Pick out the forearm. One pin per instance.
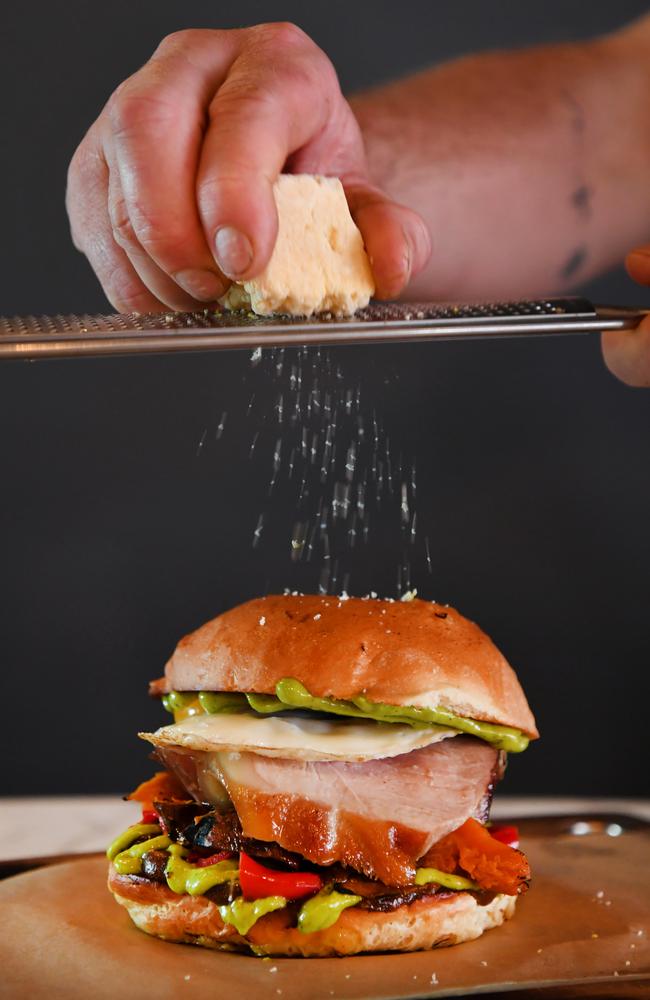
(532, 168)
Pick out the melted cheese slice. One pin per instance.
(297, 736)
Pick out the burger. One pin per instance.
(325, 785)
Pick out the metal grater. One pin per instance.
(33, 337)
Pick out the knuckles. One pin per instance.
(293, 53)
(282, 34)
(280, 60)
(121, 225)
(84, 188)
(185, 41)
(136, 228)
(132, 108)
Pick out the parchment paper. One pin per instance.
(585, 920)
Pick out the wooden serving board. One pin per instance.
(585, 921)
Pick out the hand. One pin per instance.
(170, 192)
(627, 352)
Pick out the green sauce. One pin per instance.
(242, 914)
(323, 910)
(129, 862)
(184, 877)
(176, 873)
(265, 704)
(129, 836)
(176, 701)
(425, 875)
(291, 694)
(217, 702)
(202, 879)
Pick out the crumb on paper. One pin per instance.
(317, 618)
(273, 968)
(483, 962)
(539, 951)
(600, 894)
(263, 620)
(594, 935)
(434, 979)
(410, 595)
(627, 961)
(186, 977)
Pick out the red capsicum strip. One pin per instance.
(506, 834)
(203, 861)
(257, 881)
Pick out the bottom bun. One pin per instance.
(426, 923)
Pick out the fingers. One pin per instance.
(396, 239)
(627, 352)
(637, 263)
(156, 129)
(277, 97)
(163, 288)
(171, 194)
(92, 234)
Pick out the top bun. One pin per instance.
(399, 653)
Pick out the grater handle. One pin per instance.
(627, 316)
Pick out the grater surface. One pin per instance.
(115, 333)
(376, 312)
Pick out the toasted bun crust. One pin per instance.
(424, 924)
(399, 653)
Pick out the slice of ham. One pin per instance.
(378, 817)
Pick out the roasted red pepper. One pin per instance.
(149, 816)
(257, 881)
(473, 850)
(506, 834)
(163, 785)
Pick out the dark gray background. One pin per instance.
(118, 537)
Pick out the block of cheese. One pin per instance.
(319, 263)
